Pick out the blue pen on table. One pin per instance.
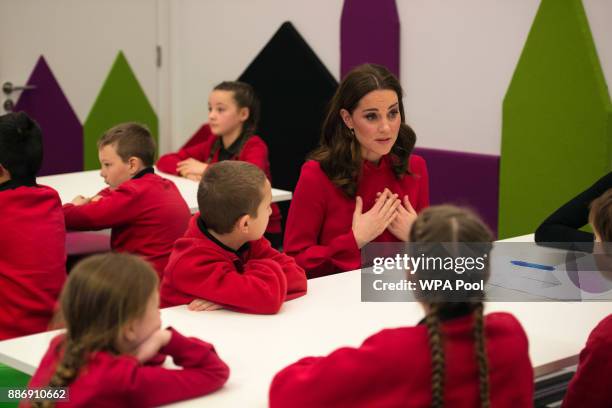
(533, 265)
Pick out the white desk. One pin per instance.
(520, 238)
(331, 315)
(88, 183)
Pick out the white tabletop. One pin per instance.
(331, 315)
(88, 183)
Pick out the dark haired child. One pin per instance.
(32, 232)
(108, 356)
(589, 386)
(223, 260)
(145, 211)
(454, 357)
(233, 113)
(365, 151)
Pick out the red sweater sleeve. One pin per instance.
(260, 288)
(255, 151)
(306, 216)
(343, 376)
(590, 386)
(296, 277)
(168, 162)
(203, 372)
(116, 207)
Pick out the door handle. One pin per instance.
(8, 88)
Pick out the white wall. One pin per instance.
(457, 58)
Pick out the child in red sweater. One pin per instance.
(145, 211)
(590, 386)
(233, 113)
(223, 260)
(365, 151)
(455, 357)
(113, 348)
(33, 235)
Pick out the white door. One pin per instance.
(80, 41)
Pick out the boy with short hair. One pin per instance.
(33, 235)
(145, 211)
(223, 260)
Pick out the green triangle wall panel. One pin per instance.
(556, 130)
(121, 99)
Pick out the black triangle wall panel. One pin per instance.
(294, 88)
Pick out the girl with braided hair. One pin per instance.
(454, 357)
(111, 352)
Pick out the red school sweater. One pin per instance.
(319, 232)
(32, 257)
(590, 386)
(110, 380)
(146, 214)
(201, 135)
(254, 151)
(393, 369)
(255, 279)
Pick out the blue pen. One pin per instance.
(533, 265)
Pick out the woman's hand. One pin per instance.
(369, 225)
(400, 226)
(191, 167)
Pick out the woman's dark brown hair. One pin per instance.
(339, 153)
(450, 224)
(102, 294)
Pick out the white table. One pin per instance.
(88, 183)
(331, 315)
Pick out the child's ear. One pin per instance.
(346, 118)
(128, 332)
(243, 223)
(243, 114)
(134, 164)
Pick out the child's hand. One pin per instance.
(80, 200)
(369, 225)
(96, 198)
(400, 226)
(200, 305)
(150, 347)
(191, 167)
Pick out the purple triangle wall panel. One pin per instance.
(61, 128)
(369, 32)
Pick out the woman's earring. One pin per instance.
(352, 131)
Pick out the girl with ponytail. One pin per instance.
(111, 352)
(454, 357)
(233, 117)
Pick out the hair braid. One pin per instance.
(481, 356)
(66, 371)
(437, 356)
